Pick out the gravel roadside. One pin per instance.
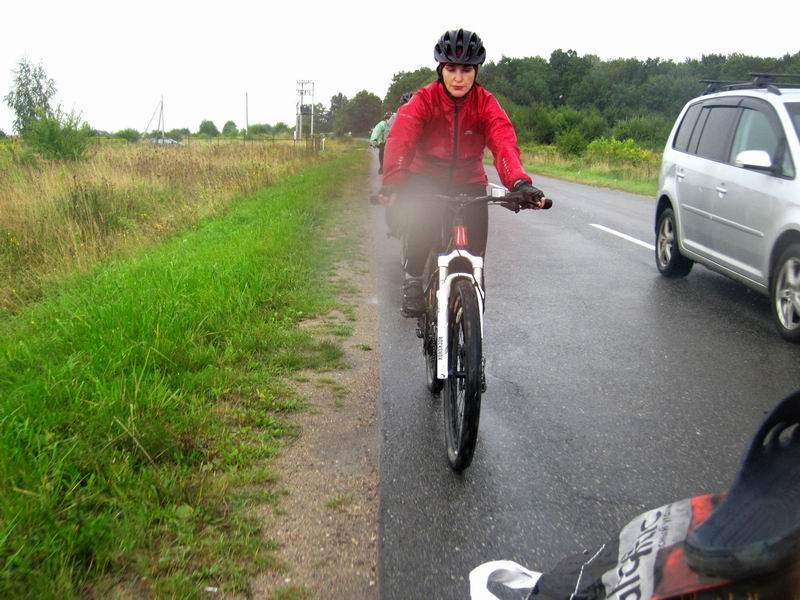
(327, 523)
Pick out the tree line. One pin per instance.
(569, 100)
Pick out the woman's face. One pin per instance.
(458, 79)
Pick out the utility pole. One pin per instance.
(163, 121)
(246, 116)
(305, 87)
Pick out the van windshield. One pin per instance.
(794, 112)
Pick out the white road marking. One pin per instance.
(624, 236)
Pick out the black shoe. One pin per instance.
(413, 300)
(756, 528)
(412, 308)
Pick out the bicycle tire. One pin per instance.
(429, 350)
(462, 388)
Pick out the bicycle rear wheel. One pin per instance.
(429, 345)
(429, 335)
(462, 388)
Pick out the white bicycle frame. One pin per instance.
(443, 294)
(446, 280)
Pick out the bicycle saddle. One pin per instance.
(756, 528)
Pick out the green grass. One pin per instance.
(637, 177)
(291, 592)
(339, 502)
(586, 173)
(139, 402)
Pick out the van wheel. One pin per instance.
(670, 262)
(785, 293)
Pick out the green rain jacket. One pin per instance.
(379, 133)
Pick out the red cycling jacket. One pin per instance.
(444, 138)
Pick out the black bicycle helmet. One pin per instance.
(460, 47)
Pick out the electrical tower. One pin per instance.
(160, 110)
(305, 87)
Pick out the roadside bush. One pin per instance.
(178, 133)
(571, 142)
(260, 129)
(533, 123)
(592, 125)
(650, 131)
(59, 135)
(566, 118)
(617, 151)
(131, 135)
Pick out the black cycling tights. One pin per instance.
(422, 218)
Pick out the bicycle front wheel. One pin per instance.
(462, 388)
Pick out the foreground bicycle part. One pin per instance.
(462, 388)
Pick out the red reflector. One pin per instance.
(460, 236)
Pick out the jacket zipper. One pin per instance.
(455, 148)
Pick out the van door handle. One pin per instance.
(680, 174)
(721, 189)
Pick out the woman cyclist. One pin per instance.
(436, 146)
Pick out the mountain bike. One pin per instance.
(451, 327)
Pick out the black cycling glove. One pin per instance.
(532, 194)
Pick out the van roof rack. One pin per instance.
(766, 81)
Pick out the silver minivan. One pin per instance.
(729, 193)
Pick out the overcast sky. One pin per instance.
(112, 61)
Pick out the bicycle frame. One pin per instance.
(458, 243)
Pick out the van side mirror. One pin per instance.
(758, 160)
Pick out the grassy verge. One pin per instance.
(139, 402)
(636, 177)
(57, 217)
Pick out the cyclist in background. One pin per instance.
(403, 100)
(436, 146)
(378, 138)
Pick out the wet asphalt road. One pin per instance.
(611, 390)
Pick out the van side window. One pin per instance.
(755, 132)
(686, 127)
(698, 129)
(716, 135)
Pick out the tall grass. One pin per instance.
(138, 400)
(606, 162)
(56, 216)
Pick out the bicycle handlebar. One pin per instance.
(511, 200)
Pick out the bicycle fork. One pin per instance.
(446, 280)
